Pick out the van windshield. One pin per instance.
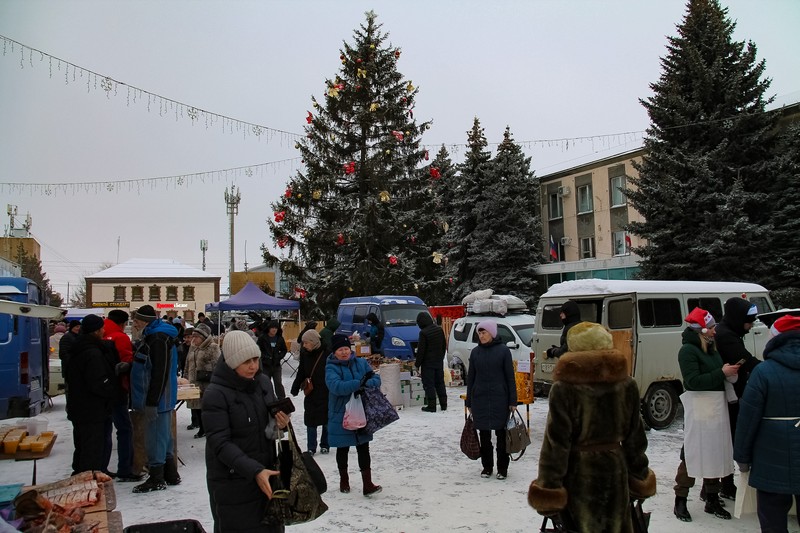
(401, 315)
(525, 332)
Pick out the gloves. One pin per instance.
(150, 413)
(744, 467)
(122, 368)
(366, 377)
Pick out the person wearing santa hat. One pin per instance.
(702, 370)
(768, 434)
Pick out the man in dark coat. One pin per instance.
(273, 350)
(93, 390)
(430, 360)
(570, 316)
(738, 320)
(66, 342)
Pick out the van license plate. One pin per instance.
(548, 367)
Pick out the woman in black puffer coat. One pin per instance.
(315, 404)
(241, 454)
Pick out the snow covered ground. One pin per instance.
(428, 484)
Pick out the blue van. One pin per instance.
(398, 314)
(24, 347)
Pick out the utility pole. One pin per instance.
(232, 200)
(203, 248)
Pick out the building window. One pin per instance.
(621, 243)
(155, 293)
(556, 207)
(188, 293)
(617, 186)
(587, 248)
(119, 293)
(137, 293)
(585, 199)
(172, 293)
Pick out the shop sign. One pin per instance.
(111, 304)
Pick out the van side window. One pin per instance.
(660, 313)
(712, 305)
(551, 318)
(620, 314)
(762, 303)
(360, 314)
(462, 333)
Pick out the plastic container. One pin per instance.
(175, 526)
(36, 425)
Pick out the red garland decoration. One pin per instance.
(435, 174)
(279, 216)
(349, 168)
(288, 193)
(340, 239)
(310, 117)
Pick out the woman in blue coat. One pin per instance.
(767, 433)
(491, 395)
(345, 374)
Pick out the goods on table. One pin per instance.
(16, 438)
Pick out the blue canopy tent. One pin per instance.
(251, 298)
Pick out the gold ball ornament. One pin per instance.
(317, 194)
(384, 196)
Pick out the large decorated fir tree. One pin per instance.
(708, 156)
(343, 221)
(505, 248)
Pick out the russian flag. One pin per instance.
(553, 249)
(627, 243)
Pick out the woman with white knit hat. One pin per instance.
(241, 455)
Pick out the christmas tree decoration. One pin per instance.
(372, 46)
(282, 242)
(317, 194)
(288, 192)
(410, 87)
(397, 54)
(279, 216)
(427, 156)
(435, 174)
(388, 152)
(398, 135)
(384, 196)
(333, 90)
(340, 239)
(309, 118)
(393, 260)
(437, 257)
(358, 60)
(350, 167)
(361, 73)
(373, 107)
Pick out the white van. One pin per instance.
(646, 321)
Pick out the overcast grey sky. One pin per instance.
(548, 69)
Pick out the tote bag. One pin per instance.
(378, 410)
(354, 417)
(470, 445)
(517, 437)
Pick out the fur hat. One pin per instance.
(784, 324)
(91, 323)
(239, 347)
(488, 325)
(202, 330)
(145, 313)
(313, 337)
(700, 319)
(338, 341)
(588, 336)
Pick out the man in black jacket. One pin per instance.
(92, 391)
(66, 343)
(570, 316)
(430, 360)
(738, 320)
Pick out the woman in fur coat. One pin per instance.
(200, 362)
(593, 457)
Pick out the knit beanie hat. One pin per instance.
(700, 319)
(91, 323)
(73, 323)
(784, 324)
(338, 341)
(202, 330)
(145, 313)
(238, 347)
(61, 328)
(118, 316)
(240, 324)
(488, 325)
(313, 337)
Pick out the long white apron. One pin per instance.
(707, 434)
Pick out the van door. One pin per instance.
(619, 316)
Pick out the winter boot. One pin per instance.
(714, 506)
(728, 489)
(430, 405)
(703, 496)
(369, 487)
(344, 481)
(154, 482)
(443, 403)
(681, 512)
(171, 475)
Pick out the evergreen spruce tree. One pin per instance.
(31, 268)
(709, 139)
(504, 248)
(341, 219)
(474, 180)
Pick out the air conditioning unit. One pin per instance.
(563, 191)
(565, 241)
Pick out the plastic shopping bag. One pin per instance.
(354, 417)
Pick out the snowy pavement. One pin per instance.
(428, 484)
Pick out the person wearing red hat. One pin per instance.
(703, 372)
(768, 435)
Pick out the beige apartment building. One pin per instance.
(173, 289)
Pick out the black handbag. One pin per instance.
(517, 436)
(203, 376)
(640, 519)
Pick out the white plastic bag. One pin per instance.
(354, 417)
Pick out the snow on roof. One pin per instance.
(151, 268)
(584, 287)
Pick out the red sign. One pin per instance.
(164, 306)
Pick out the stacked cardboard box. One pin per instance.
(456, 380)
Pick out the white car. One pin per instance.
(515, 330)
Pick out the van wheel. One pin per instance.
(660, 405)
